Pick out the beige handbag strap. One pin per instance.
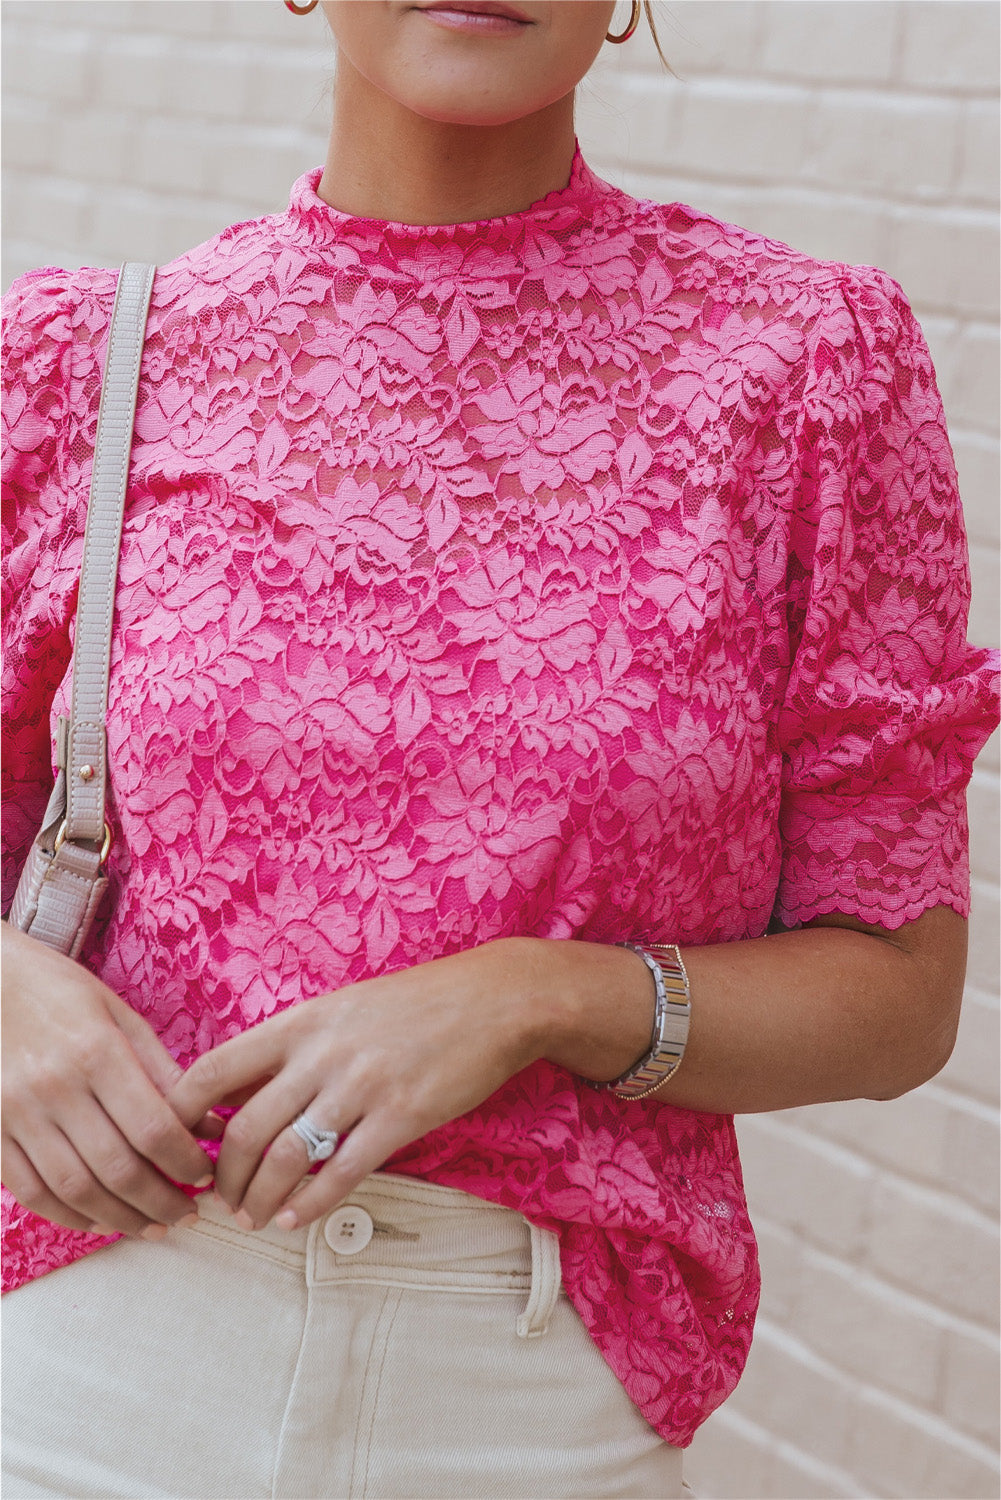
(82, 749)
(63, 878)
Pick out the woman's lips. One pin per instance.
(466, 15)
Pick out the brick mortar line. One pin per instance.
(256, 132)
(854, 1263)
(167, 47)
(813, 90)
(905, 1177)
(803, 191)
(831, 92)
(986, 999)
(943, 1318)
(935, 1198)
(899, 1287)
(761, 80)
(979, 327)
(934, 1090)
(958, 1093)
(836, 1481)
(128, 195)
(773, 1332)
(227, 133)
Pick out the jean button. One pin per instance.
(348, 1229)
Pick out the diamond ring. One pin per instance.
(320, 1144)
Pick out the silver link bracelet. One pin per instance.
(671, 1021)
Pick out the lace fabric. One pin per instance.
(594, 572)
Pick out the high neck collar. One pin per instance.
(553, 218)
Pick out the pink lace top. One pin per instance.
(593, 572)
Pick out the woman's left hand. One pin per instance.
(381, 1062)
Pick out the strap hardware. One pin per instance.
(61, 839)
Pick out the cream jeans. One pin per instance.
(415, 1343)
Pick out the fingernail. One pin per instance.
(187, 1221)
(205, 1181)
(243, 1219)
(104, 1229)
(286, 1219)
(154, 1232)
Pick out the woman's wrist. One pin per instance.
(672, 1022)
(587, 1007)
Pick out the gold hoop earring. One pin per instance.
(300, 10)
(634, 21)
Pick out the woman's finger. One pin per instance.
(30, 1191)
(160, 1066)
(81, 1100)
(287, 1161)
(145, 1119)
(68, 1182)
(127, 1181)
(239, 1063)
(259, 1131)
(371, 1143)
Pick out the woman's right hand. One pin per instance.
(88, 1139)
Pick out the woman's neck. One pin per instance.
(386, 162)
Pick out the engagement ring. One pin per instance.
(320, 1144)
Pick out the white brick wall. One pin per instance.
(863, 131)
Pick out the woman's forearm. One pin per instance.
(826, 1012)
(795, 1019)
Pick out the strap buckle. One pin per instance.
(61, 839)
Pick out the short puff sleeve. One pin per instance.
(886, 705)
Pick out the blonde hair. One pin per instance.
(648, 9)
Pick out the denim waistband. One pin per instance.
(401, 1231)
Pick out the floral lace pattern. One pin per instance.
(594, 572)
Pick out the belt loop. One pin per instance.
(534, 1321)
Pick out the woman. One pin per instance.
(511, 571)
